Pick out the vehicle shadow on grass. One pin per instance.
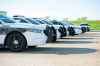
(53, 50)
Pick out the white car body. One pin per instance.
(58, 33)
(77, 29)
(56, 27)
(33, 34)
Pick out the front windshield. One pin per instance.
(57, 23)
(21, 20)
(32, 21)
(7, 20)
(45, 21)
(39, 21)
(65, 23)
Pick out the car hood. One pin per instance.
(25, 26)
(55, 26)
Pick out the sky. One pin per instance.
(71, 9)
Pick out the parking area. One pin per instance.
(81, 50)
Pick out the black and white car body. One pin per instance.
(59, 28)
(17, 37)
(85, 28)
(70, 28)
(63, 24)
(77, 29)
(47, 30)
(50, 30)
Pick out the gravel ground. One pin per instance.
(81, 50)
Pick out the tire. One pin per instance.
(49, 34)
(71, 31)
(16, 42)
(88, 29)
(61, 31)
(54, 39)
(83, 29)
(65, 32)
(55, 34)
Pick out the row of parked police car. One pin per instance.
(19, 32)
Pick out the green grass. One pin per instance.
(95, 25)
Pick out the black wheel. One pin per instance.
(83, 29)
(88, 29)
(64, 31)
(71, 31)
(51, 37)
(16, 42)
(49, 33)
(61, 31)
(54, 39)
(54, 34)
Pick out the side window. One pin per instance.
(55, 23)
(23, 21)
(60, 24)
(0, 22)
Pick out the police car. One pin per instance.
(85, 28)
(59, 28)
(77, 29)
(17, 37)
(71, 29)
(51, 37)
(50, 30)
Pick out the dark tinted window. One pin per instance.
(0, 23)
(47, 22)
(21, 20)
(33, 22)
(7, 21)
(44, 21)
(40, 21)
